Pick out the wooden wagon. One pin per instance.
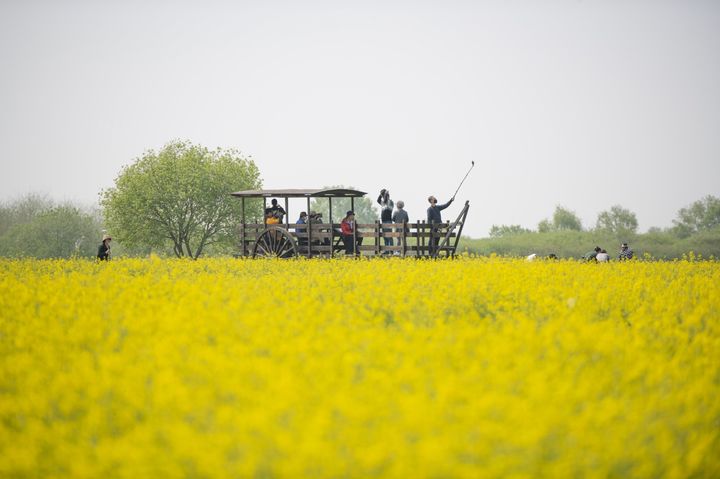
(316, 239)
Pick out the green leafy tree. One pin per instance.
(545, 226)
(179, 198)
(701, 215)
(619, 221)
(23, 210)
(564, 219)
(59, 232)
(507, 230)
(365, 210)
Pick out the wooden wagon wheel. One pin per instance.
(275, 242)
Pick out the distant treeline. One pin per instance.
(696, 229)
(175, 202)
(36, 226)
(662, 244)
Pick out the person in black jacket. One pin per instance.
(104, 248)
(435, 218)
(276, 210)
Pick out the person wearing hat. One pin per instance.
(625, 252)
(349, 235)
(315, 218)
(104, 248)
(300, 229)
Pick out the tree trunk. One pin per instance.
(199, 249)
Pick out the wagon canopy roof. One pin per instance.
(300, 193)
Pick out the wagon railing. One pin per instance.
(325, 239)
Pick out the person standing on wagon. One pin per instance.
(400, 216)
(386, 205)
(435, 219)
(104, 248)
(277, 210)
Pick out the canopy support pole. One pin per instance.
(287, 215)
(242, 228)
(332, 230)
(309, 229)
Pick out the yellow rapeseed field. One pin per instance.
(150, 368)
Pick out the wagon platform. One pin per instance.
(289, 240)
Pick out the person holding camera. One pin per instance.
(386, 210)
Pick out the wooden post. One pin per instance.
(332, 230)
(462, 223)
(404, 238)
(423, 238)
(242, 229)
(459, 221)
(309, 229)
(377, 237)
(356, 252)
(287, 215)
(447, 225)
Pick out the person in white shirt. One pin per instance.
(602, 256)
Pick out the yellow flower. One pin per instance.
(477, 367)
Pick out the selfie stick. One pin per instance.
(463, 180)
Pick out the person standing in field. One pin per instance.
(592, 255)
(435, 219)
(400, 216)
(386, 210)
(349, 234)
(602, 257)
(625, 252)
(104, 248)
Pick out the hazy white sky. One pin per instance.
(581, 103)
